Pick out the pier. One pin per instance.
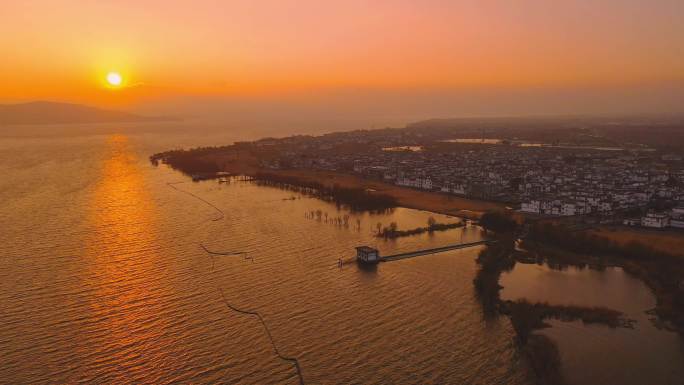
(370, 255)
(418, 253)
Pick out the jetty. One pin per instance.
(366, 254)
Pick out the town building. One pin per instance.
(655, 220)
(367, 254)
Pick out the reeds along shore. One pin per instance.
(355, 199)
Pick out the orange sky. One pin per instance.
(62, 49)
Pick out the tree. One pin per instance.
(498, 222)
(515, 183)
(525, 318)
(431, 223)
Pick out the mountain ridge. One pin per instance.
(45, 113)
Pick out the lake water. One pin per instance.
(103, 280)
(592, 354)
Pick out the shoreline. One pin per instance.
(245, 163)
(406, 197)
(237, 160)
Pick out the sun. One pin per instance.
(114, 79)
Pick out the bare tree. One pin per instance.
(431, 223)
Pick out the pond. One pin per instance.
(593, 354)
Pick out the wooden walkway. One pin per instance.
(418, 253)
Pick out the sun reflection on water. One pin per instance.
(126, 269)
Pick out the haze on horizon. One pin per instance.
(353, 60)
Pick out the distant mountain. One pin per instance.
(65, 113)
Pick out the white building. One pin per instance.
(677, 217)
(422, 183)
(533, 206)
(568, 209)
(677, 223)
(605, 206)
(459, 188)
(426, 183)
(367, 254)
(655, 220)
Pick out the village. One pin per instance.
(634, 187)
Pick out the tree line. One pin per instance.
(392, 231)
(352, 198)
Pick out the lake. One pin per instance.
(103, 279)
(592, 354)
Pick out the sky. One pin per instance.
(412, 58)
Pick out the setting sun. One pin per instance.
(114, 79)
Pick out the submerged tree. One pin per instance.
(525, 318)
(431, 223)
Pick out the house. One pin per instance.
(425, 183)
(677, 223)
(421, 183)
(678, 212)
(605, 206)
(532, 206)
(655, 220)
(568, 209)
(454, 188)
(677, 217)
(367, 254)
